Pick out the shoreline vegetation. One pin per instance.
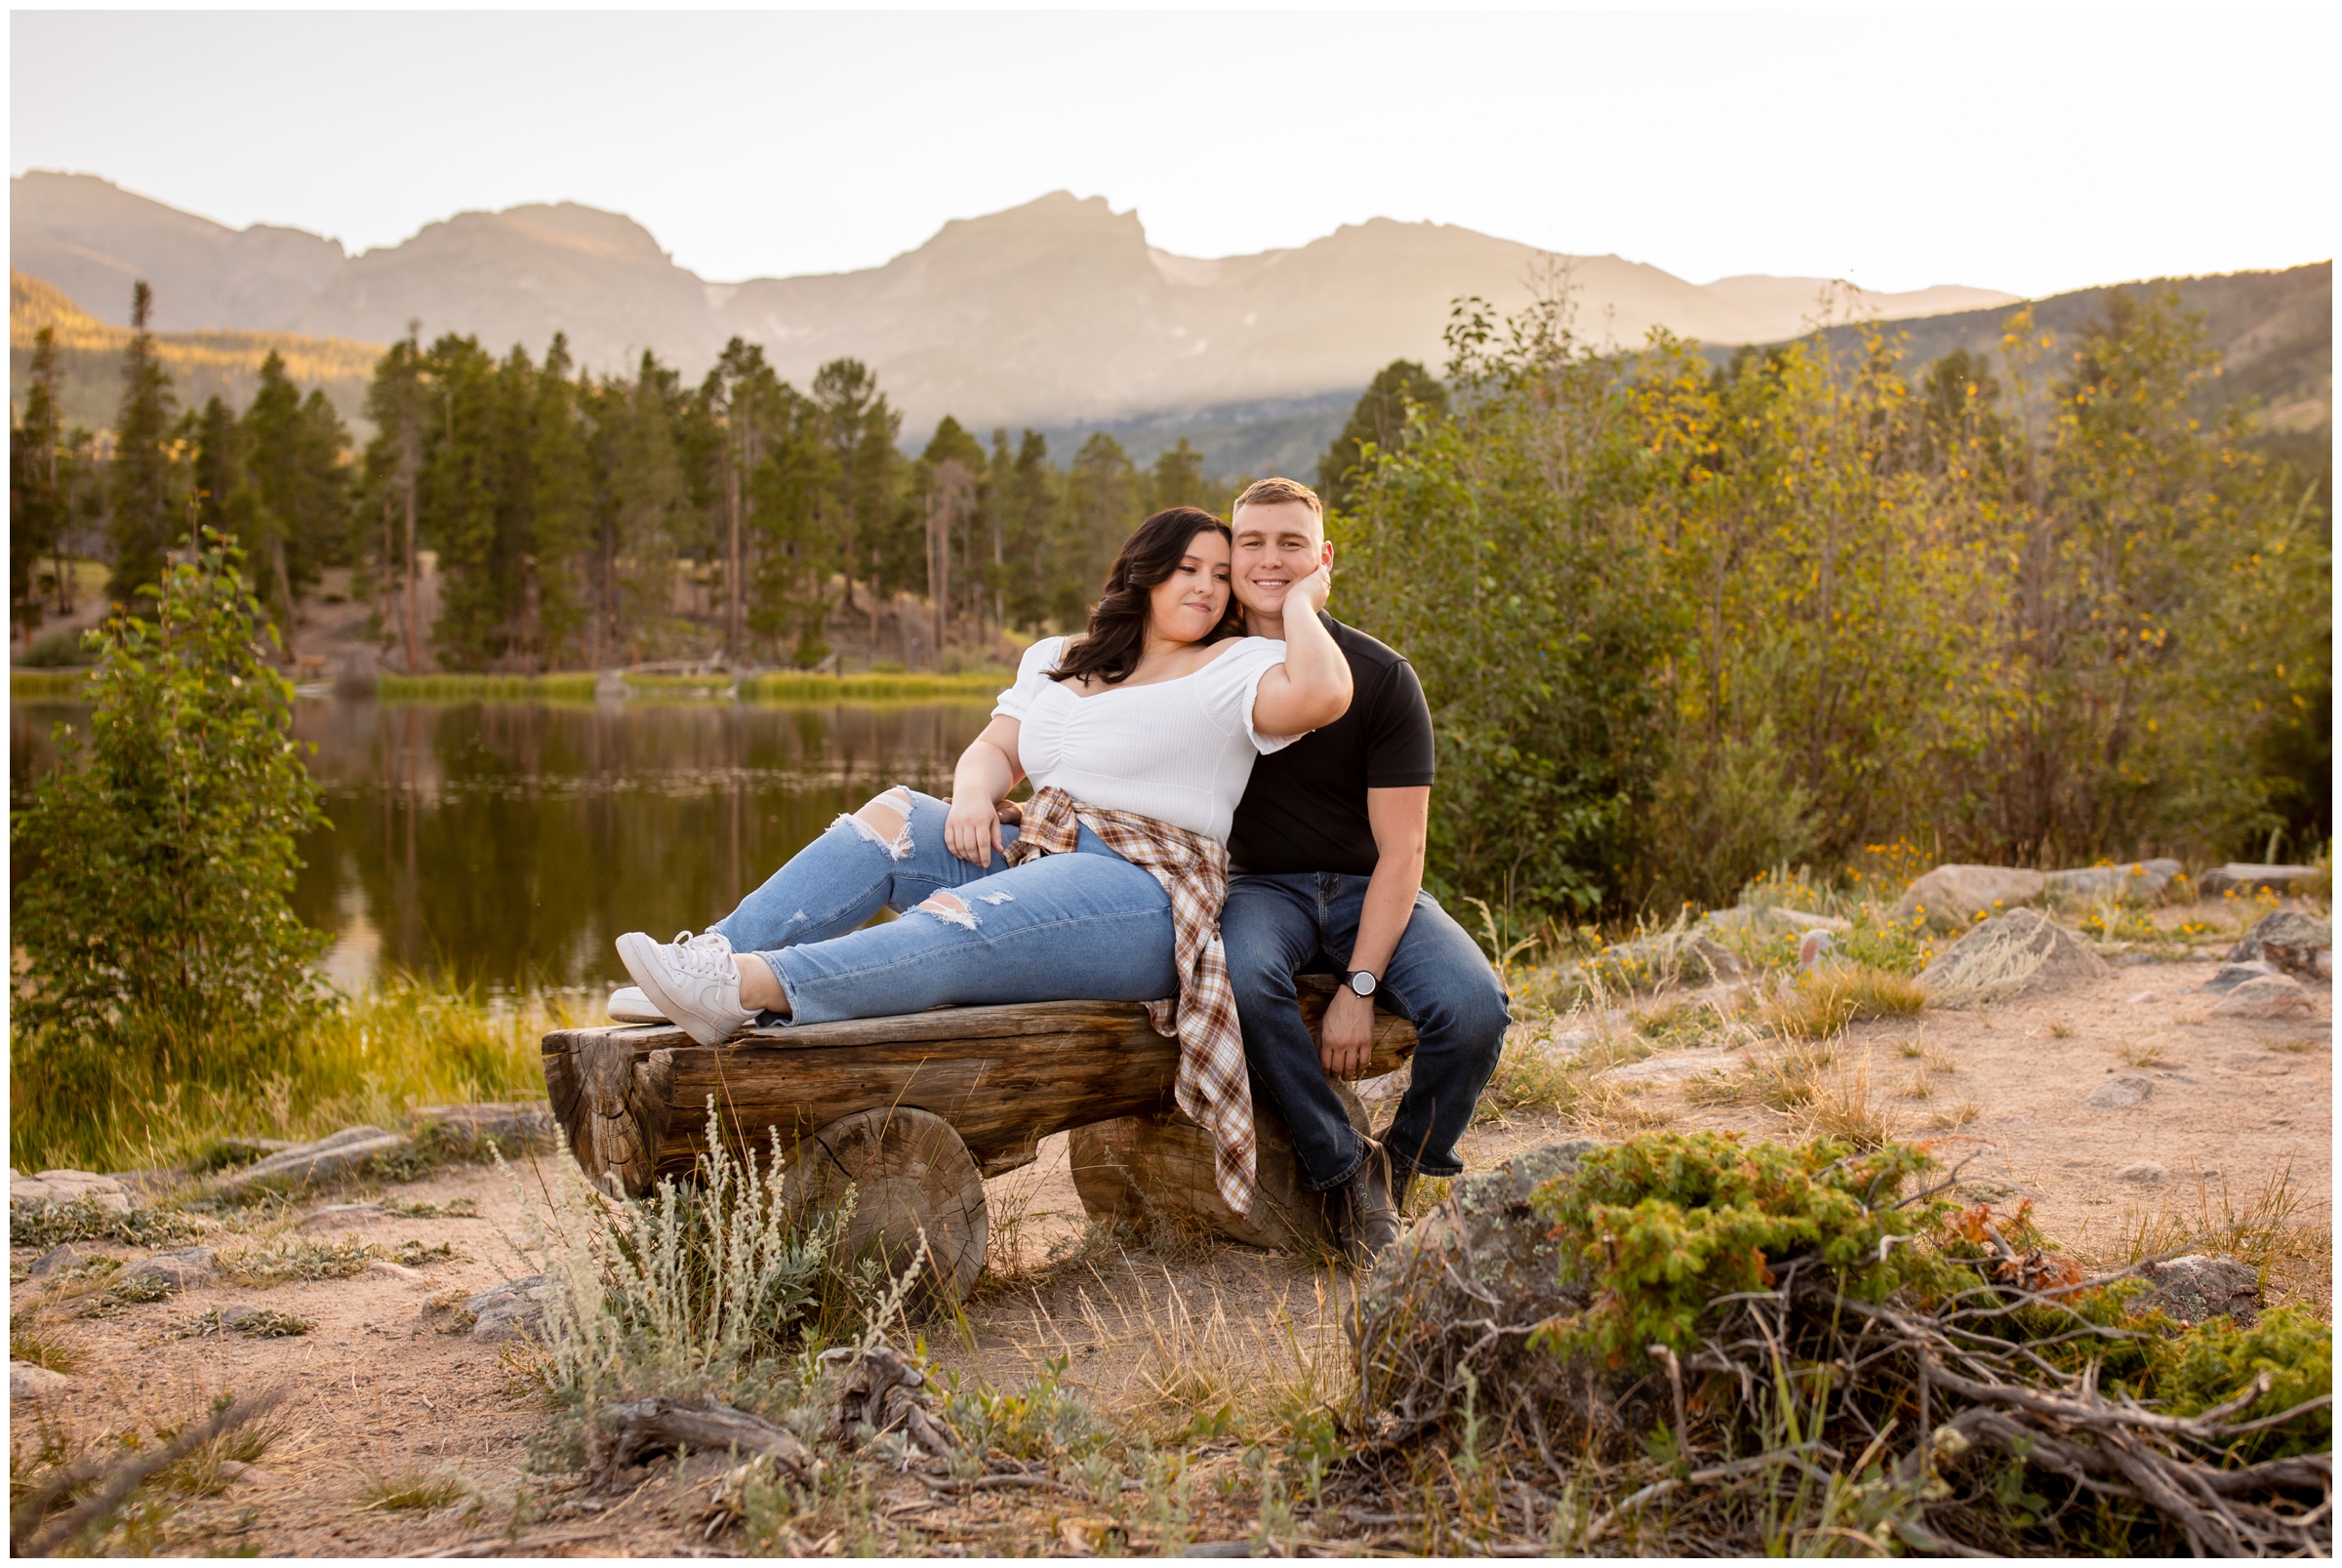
(788, 688)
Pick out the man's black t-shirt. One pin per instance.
(1304, 808)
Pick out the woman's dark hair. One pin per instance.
(1109, 650)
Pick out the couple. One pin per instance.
(1225, 795)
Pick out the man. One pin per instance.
(1326, 876)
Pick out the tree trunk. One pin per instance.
(912, 1181)
(1147, 1170)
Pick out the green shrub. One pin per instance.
(156, 907)
(58, 649)
(2214, 1361)
(1664, 1224)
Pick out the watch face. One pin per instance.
(1362, 984)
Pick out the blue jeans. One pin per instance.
(1279, 926)
(1084, 927)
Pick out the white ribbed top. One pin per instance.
(1177, 750)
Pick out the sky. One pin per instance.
(2031, 151)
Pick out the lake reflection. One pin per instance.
(508, 843)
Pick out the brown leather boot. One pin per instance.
(1365, 1220)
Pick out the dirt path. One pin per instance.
(1175, 1342)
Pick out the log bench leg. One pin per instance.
(1144, 1169)
(910, 1176)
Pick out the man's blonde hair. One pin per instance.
(1278, 493)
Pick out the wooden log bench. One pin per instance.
(914, 1112)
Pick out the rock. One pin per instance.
(2200, 1286)
(512, 1311)
(2021, 953)
(1668, 1067)
(343, 1152)
(2246, 878)
(2295, 942)
(1951, 898)
(2228, 977)
(29, 1382)
(188, 1266)
(57, 1259)
(2139, 882)
(68, 1186)
(2121, 1094)
(2265, 996)
(513, 1127)
(1813, 948)
(341, 1216)
(1482, 1257)
(1669, 958)
(2145, 1173)
(1801, 921)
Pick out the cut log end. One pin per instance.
(910, 1179)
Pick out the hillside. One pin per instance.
(2274, 331)
(93, 239)
(202, 364)
(1051, 313)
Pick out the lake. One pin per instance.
(508, 844)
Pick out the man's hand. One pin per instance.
(1347, 1040)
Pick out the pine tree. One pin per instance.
(1102, 506)
(144, 491)
(36, 507)
(1380, 417)
(559, 567)
(1177, 479)
(293, 451)
(390, 499)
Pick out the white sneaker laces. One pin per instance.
(707, 956)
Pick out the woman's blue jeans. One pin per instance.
(1084, 927)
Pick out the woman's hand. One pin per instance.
(972, 831)
(1312, 591)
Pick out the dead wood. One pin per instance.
(625, 1433)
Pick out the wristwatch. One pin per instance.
(1360, 983)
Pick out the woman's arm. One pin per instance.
(987, 771)
(1311, 689)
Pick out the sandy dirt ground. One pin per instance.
(1160, 1337)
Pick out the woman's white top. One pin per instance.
(1177, 750)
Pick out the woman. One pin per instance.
(1138, 735)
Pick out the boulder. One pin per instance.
(1813, 948)
(57, 1259)
(2139, 882)
(341, 1216)
(188, 1266)
(337, 1155)
(513, 1127)
(2143, 1173)
(2228, 977)
(2121, 1094)
(1669, 959)
(2298, 944)
(29, 1382)
(2241, 877)
(2021, 953)
(68, 1186)
(512, 1311)
(2265, 996)
(1953, 898)
(1671, 1067)
(1461, 1288)
(2203, 1285)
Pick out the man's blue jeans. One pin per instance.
(1279, 926)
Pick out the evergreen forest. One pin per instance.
(1682, 616)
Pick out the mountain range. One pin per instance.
(1057, 313)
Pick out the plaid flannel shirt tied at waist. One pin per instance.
(1213, 1089)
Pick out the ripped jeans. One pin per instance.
(1084, 927)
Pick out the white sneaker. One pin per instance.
(690, 980)
(628, 1005)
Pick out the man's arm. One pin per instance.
(1400, 820)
